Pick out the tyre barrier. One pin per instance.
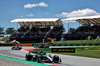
(27, 45)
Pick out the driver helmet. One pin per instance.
(40, 51)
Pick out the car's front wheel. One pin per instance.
(56, 59)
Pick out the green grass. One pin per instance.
(86, 53)
(93, 52)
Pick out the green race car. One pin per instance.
(42, 57)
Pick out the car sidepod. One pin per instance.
(45, 58)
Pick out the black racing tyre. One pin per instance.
(39, 60)
(56, 59)
(20, 48)
(28, 57)
(60, 60)
(13, 48)
(35, 59)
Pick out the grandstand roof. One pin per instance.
(86, 20)
(39, 22)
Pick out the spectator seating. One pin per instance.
(36, 34)
(83, 32)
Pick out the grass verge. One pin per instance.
(92, 52)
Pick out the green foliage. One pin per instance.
(10, 30)
(1, 30)
(71, 29)
(64, 29)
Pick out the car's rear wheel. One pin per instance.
(28, 57)
(20, 48)
(56, 59)
(60, 60)
(39, 60)
(13, 48)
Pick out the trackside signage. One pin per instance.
(68, 50)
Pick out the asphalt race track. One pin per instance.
(66, 59)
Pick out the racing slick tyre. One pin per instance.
(60, 60)
(56, 59)
(13, 48)
(20, 48)
(39, 60)
(28, 57)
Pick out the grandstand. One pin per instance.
(38, 30)
(90, 28)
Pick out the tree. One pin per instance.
(63, 29)
(71, 29)
(1, 31)
(10, 30)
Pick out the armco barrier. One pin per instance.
(77, 44)
(90, 44)
(84, 44)
(71, 44)
(65, 44)
(59, 44)
(96, 44)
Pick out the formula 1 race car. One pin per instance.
(16, 48)
(42, 46)
(42, 57)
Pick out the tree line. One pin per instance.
(9, 30)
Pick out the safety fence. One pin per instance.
(64, 44)
(76, 48)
